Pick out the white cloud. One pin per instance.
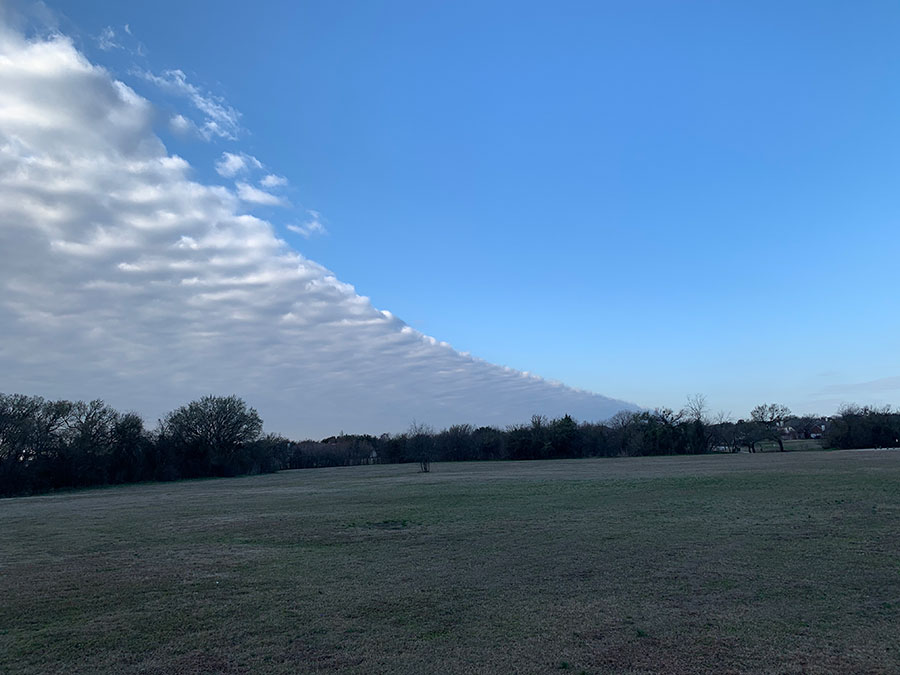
(181, 124)
(248, 193)
(221, 120)
(273, 181)
(310, 227)
(232, 164)
(123, 278)
(107, 39)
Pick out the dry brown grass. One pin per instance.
(733, 563)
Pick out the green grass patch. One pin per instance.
(781, 562)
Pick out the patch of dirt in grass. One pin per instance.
(384, 525)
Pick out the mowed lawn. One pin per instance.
(733, 563)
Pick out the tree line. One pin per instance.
(49, 445)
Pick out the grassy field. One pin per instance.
(781, 562)
(790, 446)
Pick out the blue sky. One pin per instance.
(644, 200)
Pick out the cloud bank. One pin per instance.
(220, 119)
(121, 277)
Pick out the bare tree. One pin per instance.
(769, 417)
(699, 436)
(770, 413)
(696, 408)
(421, 441)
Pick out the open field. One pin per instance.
(781, 562)
(790, 445)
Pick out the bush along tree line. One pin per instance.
(49, 445)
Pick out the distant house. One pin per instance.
(787, 433)
(790, 433)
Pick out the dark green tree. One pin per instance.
(211, 435)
